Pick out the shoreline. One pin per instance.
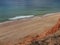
(45, 15)
(20, 29)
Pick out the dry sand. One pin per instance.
(12, 31)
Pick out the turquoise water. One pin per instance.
(6, 13)
(12, 8)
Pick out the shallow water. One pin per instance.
(12, 8)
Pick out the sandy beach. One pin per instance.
(12, 31)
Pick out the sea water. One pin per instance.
(11, 8)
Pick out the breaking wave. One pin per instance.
(20, 17)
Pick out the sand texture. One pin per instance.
(22, 32)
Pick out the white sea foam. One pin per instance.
(49, 14)
(16, 18)
(20, 17)
(6, 22)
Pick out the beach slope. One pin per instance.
(12, 32)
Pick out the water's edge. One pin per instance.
(25, 17)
